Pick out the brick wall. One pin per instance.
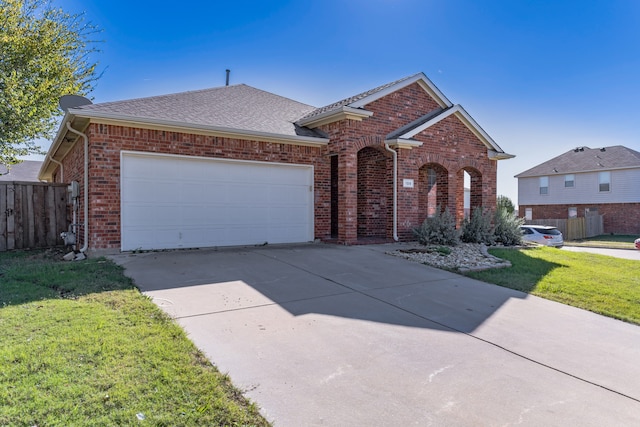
(374, 193)
(106, 142)
(365, 168)
(449, 146)
(619, 218)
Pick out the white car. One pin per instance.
(542, 234)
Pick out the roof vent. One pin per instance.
(227, 81)
(603, 149)
(577, 149)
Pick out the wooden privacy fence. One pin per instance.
(575, 228)
(32, 214)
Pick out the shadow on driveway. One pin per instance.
(346, 281)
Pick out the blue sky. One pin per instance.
(541, 77)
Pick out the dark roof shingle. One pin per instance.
(25, 171)
(239, 107)
(583, 159)
(352, 99)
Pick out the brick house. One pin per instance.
(582, 181)
(235, 165)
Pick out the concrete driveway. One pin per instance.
(632, 254)
(349, 336)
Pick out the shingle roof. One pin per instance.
(583, 159)
(25, 171)
(352, 99)
(239, 107)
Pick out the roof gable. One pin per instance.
(355, 104)
(585, 159)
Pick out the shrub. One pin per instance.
(478, 229)
(507, 228)
(440, 229)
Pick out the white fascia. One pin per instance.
(494, 150)
(422, 80)
(62, 130)
(403, 143)
(330, 116)
(170, 125)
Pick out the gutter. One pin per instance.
(395, 190)
(54, 147)
(61, 168)
(86, 186)
(174, 126)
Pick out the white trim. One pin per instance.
(218, 159)
(457, 110)
(311, 168)
(191, 127)
(330, 116)
(62, 130)
(403, 143)
(421, 78)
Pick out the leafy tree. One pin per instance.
(505, 203)
(44, 53)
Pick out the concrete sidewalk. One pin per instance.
(335, 335)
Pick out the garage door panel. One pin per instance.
(149, 191)
(180, 202)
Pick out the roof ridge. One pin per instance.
(166, 95)
(582, 159)
(354, 98)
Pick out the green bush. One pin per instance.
(507, 228)
(478, 228)
(440, 229)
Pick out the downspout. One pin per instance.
(86, 186)
(395, 190)
(61, 168)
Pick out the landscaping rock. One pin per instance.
(462, 257)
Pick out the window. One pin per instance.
(569, 181)
(573, 212)
(544, 185)
(528, 214)
(604, 179)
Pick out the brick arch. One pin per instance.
(375, 141)
(435, 158)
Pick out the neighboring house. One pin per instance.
(236, 165)
(603, 180)
(26, 171)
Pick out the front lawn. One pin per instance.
(602, 284)
(82, 346)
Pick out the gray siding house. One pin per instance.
(604, 180)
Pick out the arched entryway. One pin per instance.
(469, 189)
(433, 187)
(375, 194)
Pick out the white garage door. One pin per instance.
(173, 202)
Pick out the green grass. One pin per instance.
(614, 241)
(602, 284)
(82, 346)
